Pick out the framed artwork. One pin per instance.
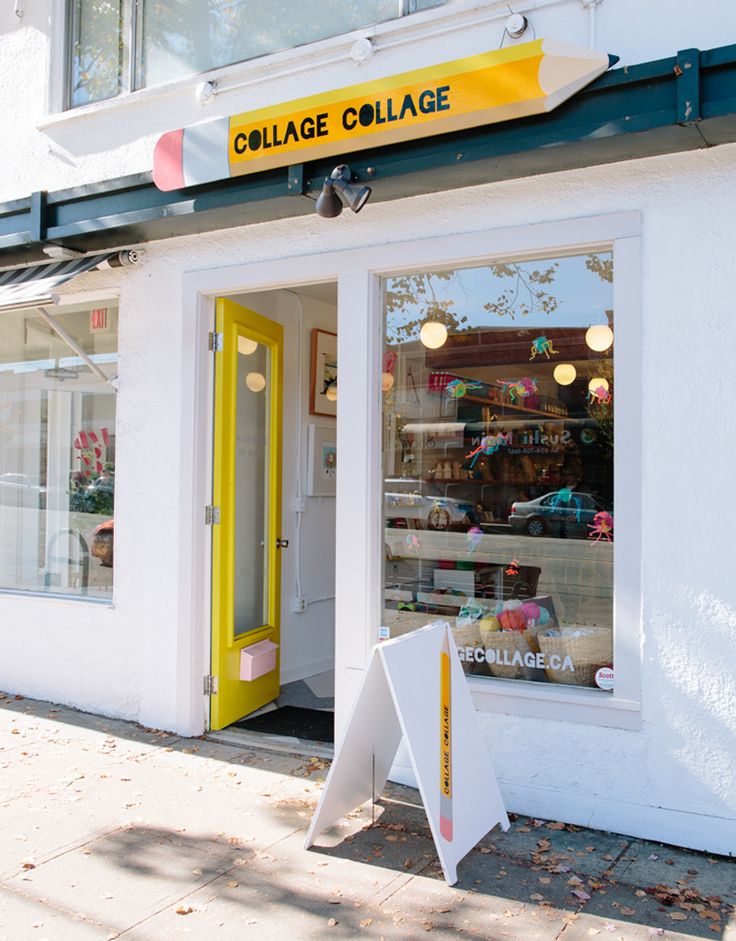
(323, 375)
(321, 461)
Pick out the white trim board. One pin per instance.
(696, 831)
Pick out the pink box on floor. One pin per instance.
(257, 660)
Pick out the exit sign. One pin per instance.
(99, 319)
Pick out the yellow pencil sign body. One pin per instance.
(445, 741)
(513, 82)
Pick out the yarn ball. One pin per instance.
(489, 624)
(543, 615)
(513, 604)
(530, 610)
(512, 621)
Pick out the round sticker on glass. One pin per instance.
(604, 678)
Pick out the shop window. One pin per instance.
(498, 402)
(118, 46)
(57, 453)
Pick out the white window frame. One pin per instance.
(359, 529)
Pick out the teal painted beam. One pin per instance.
(680, 103)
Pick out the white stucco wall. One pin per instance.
(675, 779)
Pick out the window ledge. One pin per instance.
(455, 15)
(548, 701)
(46, 596)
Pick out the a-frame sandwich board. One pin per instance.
(415, 686)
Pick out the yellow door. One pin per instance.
(247, 490)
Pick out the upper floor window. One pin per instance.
(119, 46)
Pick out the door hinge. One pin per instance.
(214, 344)
(210, 685)
(211, 515)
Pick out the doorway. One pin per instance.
(273, 572)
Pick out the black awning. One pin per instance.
(28, 287)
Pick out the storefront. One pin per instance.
(469, 402)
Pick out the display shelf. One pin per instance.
(489, 403)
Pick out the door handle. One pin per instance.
(282, 543)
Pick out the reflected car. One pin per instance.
(564, 513)
(404, 501)
(20, 491)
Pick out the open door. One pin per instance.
(246, 543)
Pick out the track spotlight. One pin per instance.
(329, 204)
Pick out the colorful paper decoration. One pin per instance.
(412, 544)
(458, 388)
(474, 536)
(518, 388)
(489, 444)
(601, 527)
(542, 345)
(600, 395)
(513, 568)
(567, 496)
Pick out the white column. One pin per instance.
(359, 540)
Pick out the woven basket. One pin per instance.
(509, 643)
(588, 653)
(469, 636)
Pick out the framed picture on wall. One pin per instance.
(321, 461)
(323, 375)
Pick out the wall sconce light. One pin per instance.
(341, 181)
(597, 382)
(246, 346)
(331, 391)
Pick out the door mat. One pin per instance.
(314, 725)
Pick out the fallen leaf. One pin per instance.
(574, 880)
(545, 880)
(232, 884)
(627, 911)
(652, 856)
(581, 894)
(543, 845)
(536, 897)
(331, 922)
(28, 865)
(181, 910)
(485, 849)
(678, 916)
(640, 893)
(366, 922)
(555, 826)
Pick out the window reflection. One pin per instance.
(498, 464)
(57, 453)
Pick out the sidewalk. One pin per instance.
(108, 830)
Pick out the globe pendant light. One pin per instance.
(433, 334)
(564, 374)
(599, 337)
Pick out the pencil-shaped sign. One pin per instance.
(445, 741)
(513, 82)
